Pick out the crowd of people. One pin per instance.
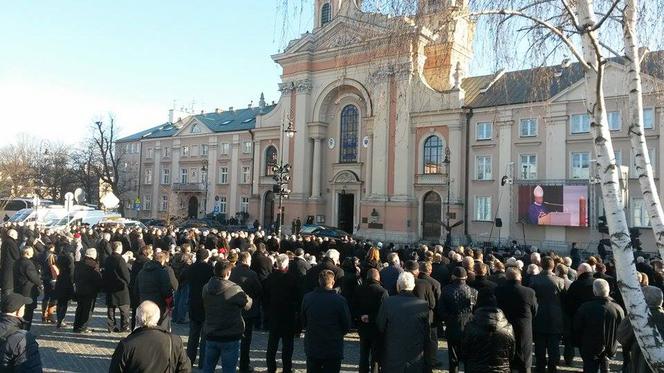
(494, 308)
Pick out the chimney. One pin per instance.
(170, 115)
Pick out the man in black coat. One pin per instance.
(548, 325)
(368, 299)
(149, 348)
(144, 256)
(595, 328)
(104, 248)
(456, 309)
(27, 282)
(428, 289)
(326, 318)
(9, 254)
(261, 264)
(64, 287)
(331, 263)
(519, 304)
(20, 353)
(579, 292)
(482, 282)
(116, 284)
(282, 304)
(198, 274)
(247, 279)
(157, 283)
(88, 281)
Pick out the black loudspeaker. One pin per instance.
(499, 222)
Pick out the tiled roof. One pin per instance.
(225, 121)
(538, 84)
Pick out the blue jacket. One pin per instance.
(20, 353)
(326, 317)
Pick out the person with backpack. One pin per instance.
(19, 351)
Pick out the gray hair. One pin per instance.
(12, 233)
(653, 296)
(601, 288)
(406, 281)
(107, 236)
(333, 254)
(282, 262)
(117, 246)
(584, 267)
(147, 314)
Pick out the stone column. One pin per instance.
(156, 179)
(504, 158)
(556, 163)
(315, 174)
(233, 177)
(380, 135)
(211, 174)
(454, 142)
(403, 158)
(257, 167)
(301, 160)
(175, 164)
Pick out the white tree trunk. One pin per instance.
(636, 134)
(648, 337)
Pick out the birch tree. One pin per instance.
(636, 129)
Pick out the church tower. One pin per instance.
(448, 55)
(326, 10)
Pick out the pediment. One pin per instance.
(340, 33)
(193, 127)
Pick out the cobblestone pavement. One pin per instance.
(64, 351)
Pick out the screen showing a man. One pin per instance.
(536, 210)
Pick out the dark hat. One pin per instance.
(13, 302)
(411, 265)
(460, 273)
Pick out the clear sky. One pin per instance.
(66, 63)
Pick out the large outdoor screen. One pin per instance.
(561, 205)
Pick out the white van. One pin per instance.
(10, 206)
(81, 215)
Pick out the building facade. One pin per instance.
(376, 102)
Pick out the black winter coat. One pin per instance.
(64, 287)
(519, 304)
(9, 254)
(299, 267)
(198, 274)
(147, 350)
(224, 302)
(550, 290)
(104, 250)
(87, 278)
(579, 292)
(282, 304)
(488, 342)
(116, 281)
(368, 299)
(595, 327)
(456, 308)
(26, 278)
(155, 284)
(326, 263)
(21, 351)
(247, 279)
(262, 265)
(428, 289)
(135, 270)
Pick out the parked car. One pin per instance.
(122, 222)
(323, 231)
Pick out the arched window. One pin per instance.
(349, 123)
(433, 155)
(325, 14)
(270, 160)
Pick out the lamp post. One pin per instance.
(205, 180)
(446, 162)
(282, 173)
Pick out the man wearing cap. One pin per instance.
(87, 279)
(456, 309)
(537, 209)
(21, 351)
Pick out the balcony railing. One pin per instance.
(431, 179)
(189, 187)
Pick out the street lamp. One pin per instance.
(282, 173)
(446, 162)
(204, 169)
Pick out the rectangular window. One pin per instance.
(483, 208)
(147, 202)
(614, 120)
(148, 176)
(528, 166)
(185, 151)
(483, 130)
(149, 153)
(528, 127)
(225, 148)
(580, 123)
(580, 165)
(134, 148)
(222, 204)
(163, 206)
(244, 178)
(483, 167)
(194, 151)
(204, 150)
(246, 147)
(193, 175)
(649, 118)
(165, 176)
(244, 204)
(166, 152)
(184, 176)
(223, 175)
(640, 217)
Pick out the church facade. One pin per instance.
(394, 142)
